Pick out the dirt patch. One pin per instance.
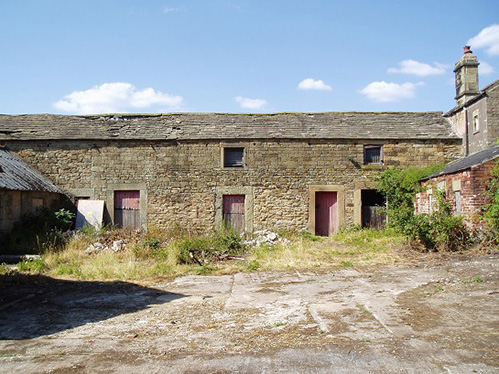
(426, 317)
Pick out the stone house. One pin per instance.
(476, 119)
(23, 190)
(296, 171)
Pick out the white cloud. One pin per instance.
(383, 92)
(485, 69)
(314, 84)
(488, 38)
(171, 10)
(116, 97)
(248, 103)
(419, 68)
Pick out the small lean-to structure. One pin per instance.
(23, 190)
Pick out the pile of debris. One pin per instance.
(117, 246)
(265, 237)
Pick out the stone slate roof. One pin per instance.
(213, 126)
(473, 100)
(468, 162)
(16, 175)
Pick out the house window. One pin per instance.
(476, 121)
(233, 157)
(373, 155)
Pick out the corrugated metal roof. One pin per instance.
(214, 126)
(468, 162)
(15, 174)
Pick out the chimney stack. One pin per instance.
(466, 77)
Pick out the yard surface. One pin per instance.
(438, 316)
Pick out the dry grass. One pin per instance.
(153, 255)
(349, 248)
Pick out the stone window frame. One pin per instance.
(82, 193)
(476, 121)
(248, 205)
(224, 146)
(312, 190)
(381, 154)
(111, 188)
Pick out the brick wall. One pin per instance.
(182, 179)
(472, 186)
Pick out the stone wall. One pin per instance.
(183, 181)
(493, 115)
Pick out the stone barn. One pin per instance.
(295, 171)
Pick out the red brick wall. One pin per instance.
(473, 189)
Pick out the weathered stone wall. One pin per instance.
(182, 179)
(493, 115)
(478, 139)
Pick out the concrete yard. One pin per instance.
(429, 317)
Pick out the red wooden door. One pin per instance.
(234, 211)
(127, 209)
(326, 213)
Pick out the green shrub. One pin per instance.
(203, 249)
(491, 212)
(440, 230)
(37, 233)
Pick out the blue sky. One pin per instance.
(78, 57)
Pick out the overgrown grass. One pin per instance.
(168, 253)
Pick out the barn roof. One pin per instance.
(213, 126)
(468, 162)
(15, 174)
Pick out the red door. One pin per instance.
(326, 213)
(234, 211)
(127, 209)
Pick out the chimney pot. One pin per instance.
(467, 49)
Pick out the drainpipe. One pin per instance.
(466, 133)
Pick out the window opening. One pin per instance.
(234, 157)
(373, 155)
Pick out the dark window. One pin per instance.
(233, 157)
(373, 154)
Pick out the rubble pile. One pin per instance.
(265, 237)
(117, 246)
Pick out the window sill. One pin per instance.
(373, 166)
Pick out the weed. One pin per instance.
(310, 237)
(70, 268)
(365, 310)
(7, 354)
(32, 266)
(163, 268)
(4, 269)
(253, 265)
(477, 280)
(204, 270)
(346, 264)
(439, 289)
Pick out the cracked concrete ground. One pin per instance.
(429, 317)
